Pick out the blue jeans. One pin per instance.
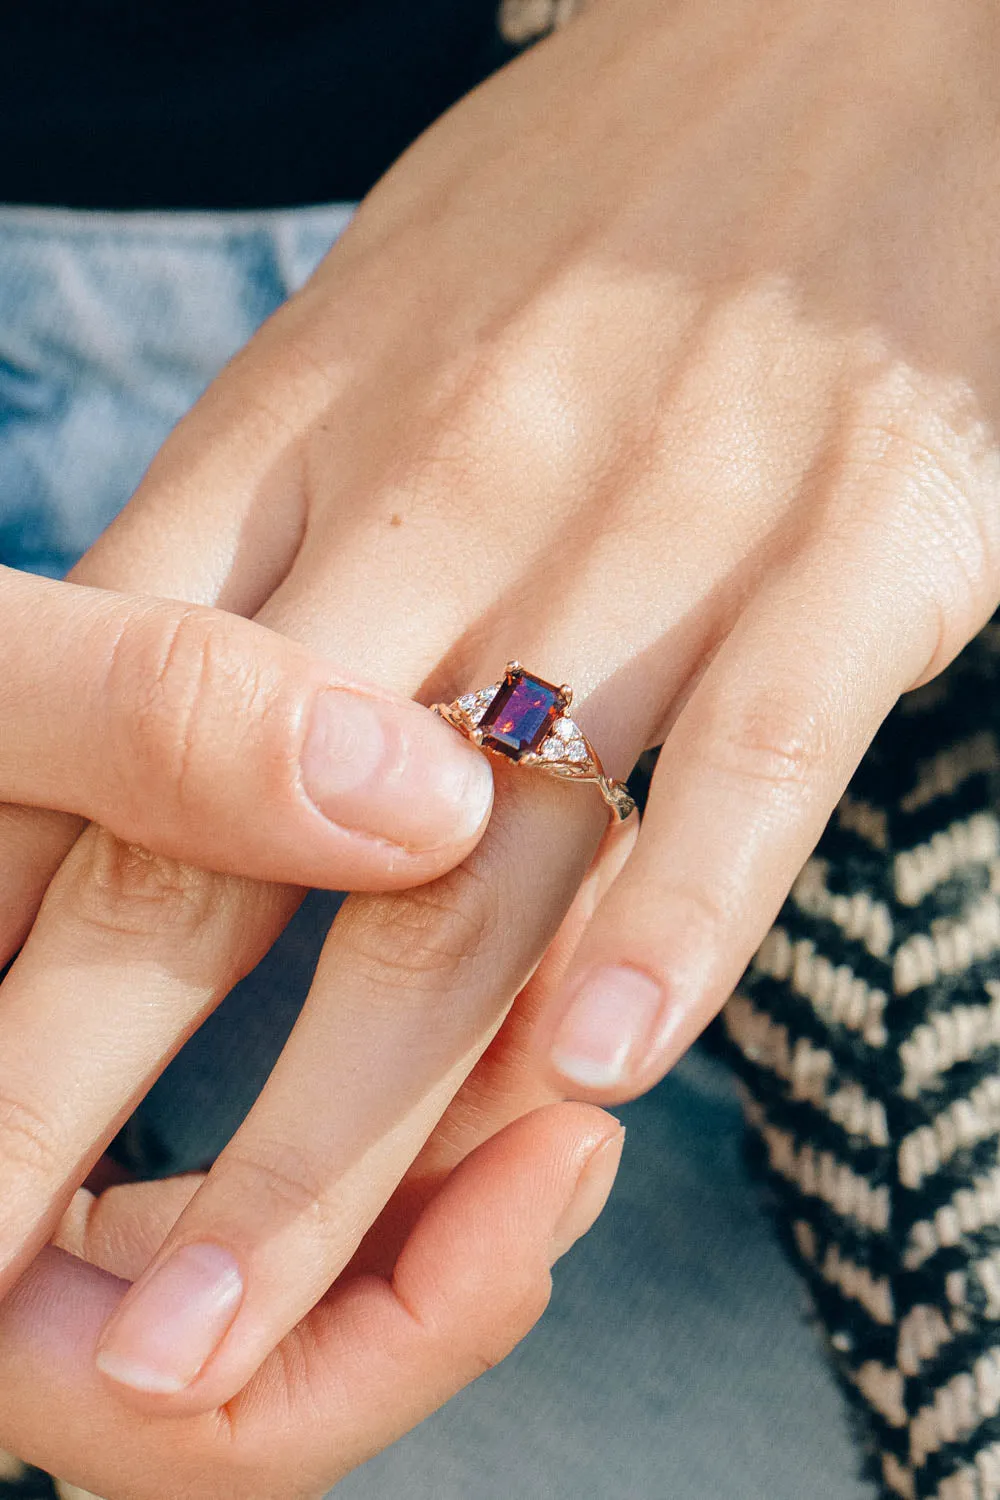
(676, 1361)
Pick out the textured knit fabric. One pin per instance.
(867, 1033)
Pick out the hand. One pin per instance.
(660, 363)
(177, 727)
(375, 1357)
(188, 732)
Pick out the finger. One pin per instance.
(115, 910)
(506, 1082)
(121, 1227)
(207, 738)
(374, 1359)
(406, 998)
(474, 1277)
(220, 514)
(745, 784)
(128, 954)
(54, 1138)
(32, 844)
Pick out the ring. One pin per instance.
(523, 719)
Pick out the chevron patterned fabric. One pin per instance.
(867, 1036)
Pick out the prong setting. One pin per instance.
(523, 719)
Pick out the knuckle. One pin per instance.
(157, 676)
(282, 1175)
(478, 398)
(961, 554)
(933, 458)
(772, 744)
(176, 675)
(696, 909)
(30, 1139)
(125, 891)
(415, 940)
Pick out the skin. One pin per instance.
(171, 726)
(375, 1357)
(666, 363)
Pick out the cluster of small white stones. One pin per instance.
(474, 705)
(565, 742)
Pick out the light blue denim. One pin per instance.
(676, 1361)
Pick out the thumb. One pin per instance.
(205, 737)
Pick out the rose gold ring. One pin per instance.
(524, 719)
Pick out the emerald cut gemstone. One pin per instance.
(521, 715)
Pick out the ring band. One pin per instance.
(524, 719)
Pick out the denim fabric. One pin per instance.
(676, 1361)
(110, 326)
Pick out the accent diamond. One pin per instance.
(474, 705)
(565, 743)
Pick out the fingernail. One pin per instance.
(393, 770)
(603, 1034)
(589, 1195)
(166, 1329)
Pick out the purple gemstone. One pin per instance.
(521, 715)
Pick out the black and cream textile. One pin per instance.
(867, 1034)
